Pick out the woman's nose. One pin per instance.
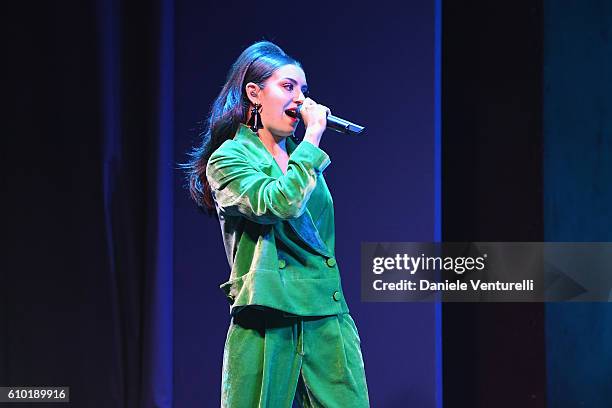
(300, 99)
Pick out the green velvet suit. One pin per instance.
(278, 228)
(291, 330)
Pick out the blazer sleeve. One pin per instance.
(240, 188)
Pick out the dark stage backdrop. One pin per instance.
(578, 190)
(527, 157)
(86, 277)
(370, 62)
(494, 353)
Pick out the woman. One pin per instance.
(290, 334)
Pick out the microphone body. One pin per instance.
(334, 123)
(343, 126)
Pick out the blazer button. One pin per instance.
(331, 262)
(282, 263)
(337, 296)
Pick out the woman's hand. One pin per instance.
(315, 120)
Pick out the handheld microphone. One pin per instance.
(333, 122)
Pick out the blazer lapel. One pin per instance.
(304, 225)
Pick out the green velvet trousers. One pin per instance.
(271, 357)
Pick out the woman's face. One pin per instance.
(282, 91)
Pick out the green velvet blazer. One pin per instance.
(278, 229)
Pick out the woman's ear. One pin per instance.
(252, 91)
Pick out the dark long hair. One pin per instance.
(256, 64)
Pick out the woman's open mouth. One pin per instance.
(292, 114)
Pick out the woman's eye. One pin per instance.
(289, 87)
